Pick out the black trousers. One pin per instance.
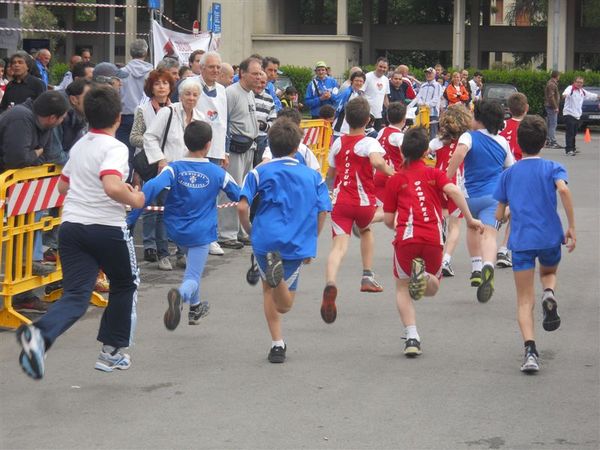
(83, 250)
(571, 125)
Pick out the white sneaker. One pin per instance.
(164, 263)
(215, 249)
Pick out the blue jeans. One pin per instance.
(190, 286)
(154, 231)
(433, 126)
(551, 119)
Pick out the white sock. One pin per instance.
(447, 258)
(476, 264)
(411, 333)
(503, 250)
(279, 343)
(108, 348)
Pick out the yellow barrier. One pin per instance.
(24, 192)
(422, 118)
(317, 136)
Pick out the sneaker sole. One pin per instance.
(173, 313)
(328, 307)
(252, 276)
(274, 272)
(412, 352)
(417, 285)
(276, 359)
(104, 368)
(368, 287)
(30, 359)
(503, 264)
(530, 369)
(205, 312)
(486, 288)
(551, 320)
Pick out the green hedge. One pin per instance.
(57, 72)
(300, 77)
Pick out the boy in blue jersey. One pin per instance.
(529, 189)
(293, 205)
(190, 215)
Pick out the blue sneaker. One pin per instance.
(117, 360)
(34, 351)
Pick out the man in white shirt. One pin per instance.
(377, 87)
(574, 96)
(476, 85)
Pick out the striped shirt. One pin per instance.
(265, 111)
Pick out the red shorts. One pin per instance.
(343, 216)
(404, 253)
(453, 210)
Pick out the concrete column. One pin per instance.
(458, 36)
(107, 16)
(557, 35)
(69, 24)
(342, 17)
(475, 60)
(570, 41)
(367, 9)
(130, 26)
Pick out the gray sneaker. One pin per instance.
(530, 363)
(41, 269)
(503, 260)
(117, 360)
(197, 312)
(34, 351)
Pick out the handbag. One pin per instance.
(142, 167)
(240, 144)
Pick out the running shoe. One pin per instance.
(475, 278)
(503, 260)
(412, 348)
(328, 308)
(530, 362)
(447, 270)
(551, 320)
(486, 288)
(274, 270)
(197, 312)
(34, 351)
(277, 354)
(150, 255)
(50, 255)
(418, 279)
(30, 303)
(173, 313)
(368, 283)
(117, 360)
(253, 275)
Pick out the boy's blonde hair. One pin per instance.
(454, 122)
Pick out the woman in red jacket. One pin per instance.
(456, 92)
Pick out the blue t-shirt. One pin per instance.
(291, 198)
(191, 205)
(483, 165)
(529, 189)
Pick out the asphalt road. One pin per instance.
(345, 385)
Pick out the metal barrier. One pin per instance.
(23, 193)
(317, 136)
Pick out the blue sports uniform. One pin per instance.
(315, 89)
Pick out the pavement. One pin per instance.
(345, 385)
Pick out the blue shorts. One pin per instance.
(484, 209)
(291, 270)
(525, 260)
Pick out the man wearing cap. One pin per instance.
(322, 90)
(430, 95)
(108, 73)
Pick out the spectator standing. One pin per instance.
(456, 92)
(108, 73)
(194, 61)
(86, 55)
(400, 89)
(265, 115)
(226, 75)
(377, 88)
(171, 65)
(430, 95)
(464, 80)
(68, 77)
(551, 103)
(270, 66)
(83, 70)
(574, 96)
(3, 80)
(322, 90)
(357, 81)
(476, 85)
(346, 84)
(23, 85)
(42, 61)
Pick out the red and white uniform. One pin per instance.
(354, 189)
(390, 139)
(443, 153)
(415, 194)
(510, 134)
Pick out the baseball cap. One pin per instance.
(320, 64)
(104, 71)
(429, 70)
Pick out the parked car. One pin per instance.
(500, 92)
(282, 83)
(590, 110)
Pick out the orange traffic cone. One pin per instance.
(587, 138)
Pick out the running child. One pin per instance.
(455, 121)
(390, 138)
(352, 159)
(529, 188)
(190, 216)
(413, 207)
(92, 234)
(293, 206)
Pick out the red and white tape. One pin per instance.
(50, 30)
(77, 5)
(33, 196)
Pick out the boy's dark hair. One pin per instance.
(269, 60)
(326, 112)
(531, 134)
(382, 59)
(491, 114)
(79, 69)
(396, 112)
(197, 134)
(555, 74)
(77, 86)
(517, 104)
(50, 103)
(357, 75)
(358, 112)
(102, 106)
(290, 113)
(193, 55)
(414, 144)
(284, 137)
(291, 90)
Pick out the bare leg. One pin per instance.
(404, 303)
(378, 217)
(548, 277)
(276, 302)
(338, 251)
(433, 285)
(473, 243)
(489, 247)
(525, 302)
(367, 242)
(453, 234)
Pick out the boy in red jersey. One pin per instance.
(518, 107)
(352, 159)
(454, 122)
(390, 139)
(413, 206)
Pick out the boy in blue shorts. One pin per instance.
(529, 189)
(190, 216)
(293, 205)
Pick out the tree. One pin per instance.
(40, 17)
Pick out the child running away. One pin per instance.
(190, 216)
(293, 206)
(93, 234)
(413, 206)
(529, 188)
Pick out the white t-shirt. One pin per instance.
(466, 139)
(574, 101)
(215, 111)
(475, 90)
(310, 158)
(92, 157)
(376, 88)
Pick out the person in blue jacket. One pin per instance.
(322, 90)
(190, 215)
